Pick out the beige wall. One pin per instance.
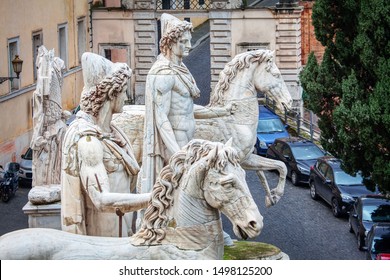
(283, 33)
(253, 26)
(20, 19)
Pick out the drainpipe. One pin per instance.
(90, 25)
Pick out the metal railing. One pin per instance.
(183, 4)
(304, 124)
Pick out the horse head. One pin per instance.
(225, 189)
(268, 79)
(248, 73)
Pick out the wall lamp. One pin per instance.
(17, 64)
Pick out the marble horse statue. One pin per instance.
(49, 129)
(182, 221)
(239, 82)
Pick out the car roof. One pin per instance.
(381, 228)
(374, 199)
(334, 162)
(266, 113)
(295, 141)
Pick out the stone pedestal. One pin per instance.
(43, 216)
(245, 250)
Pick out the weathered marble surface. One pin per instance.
(98, 163)
(239, 82)
(169, 106)
(45, 194)
(182, 221)
(48, 127)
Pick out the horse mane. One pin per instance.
(226, 76)
(214, 154)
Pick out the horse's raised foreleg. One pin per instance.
(259, 164)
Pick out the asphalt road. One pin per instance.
(11, 214)
(302, 228)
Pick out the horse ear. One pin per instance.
(229, 143)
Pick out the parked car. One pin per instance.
(269, 128)
(378, 242)
(367, 210)
(73, 115)
(298, 154)
(336, 187)
(25, 170)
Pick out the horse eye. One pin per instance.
(228, 186)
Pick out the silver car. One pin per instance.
(25, 171)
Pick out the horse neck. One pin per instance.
(191, 209)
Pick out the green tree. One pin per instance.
(350, 89)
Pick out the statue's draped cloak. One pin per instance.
(77, 209)
(154, 150)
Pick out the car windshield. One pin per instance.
(270, 126)
(343, 178)
(376, 213)
(307, 152)
(28, 154)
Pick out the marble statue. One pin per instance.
(48, 127)
(170, 111)
(182, 221)
(240, 80)
(97, 158)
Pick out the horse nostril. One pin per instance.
(253, 224)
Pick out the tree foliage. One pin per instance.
(350, 89)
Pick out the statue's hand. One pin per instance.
(232, 107)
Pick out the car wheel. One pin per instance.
(313, 192)
(294, 178)
(5, 197)
(360, 243)
(350, 226)
(336, 208)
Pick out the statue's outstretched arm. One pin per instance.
(201, 112)
(96, 184)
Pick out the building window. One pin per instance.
(37, 41)
(13, 49)
(63, 43)
(81, 37)
(246, 47)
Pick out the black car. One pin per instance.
(336, 187)
(367, 210)
(378, 242)
(298, 154)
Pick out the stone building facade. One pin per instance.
(61, 25)
(128, 31)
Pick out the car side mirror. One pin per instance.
(328, 181)
(1, 167)
(22, 156)
(287, 157)
(354, 215)
(286, 126)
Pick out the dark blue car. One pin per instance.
(269, 128)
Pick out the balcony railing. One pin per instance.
(183, 4)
